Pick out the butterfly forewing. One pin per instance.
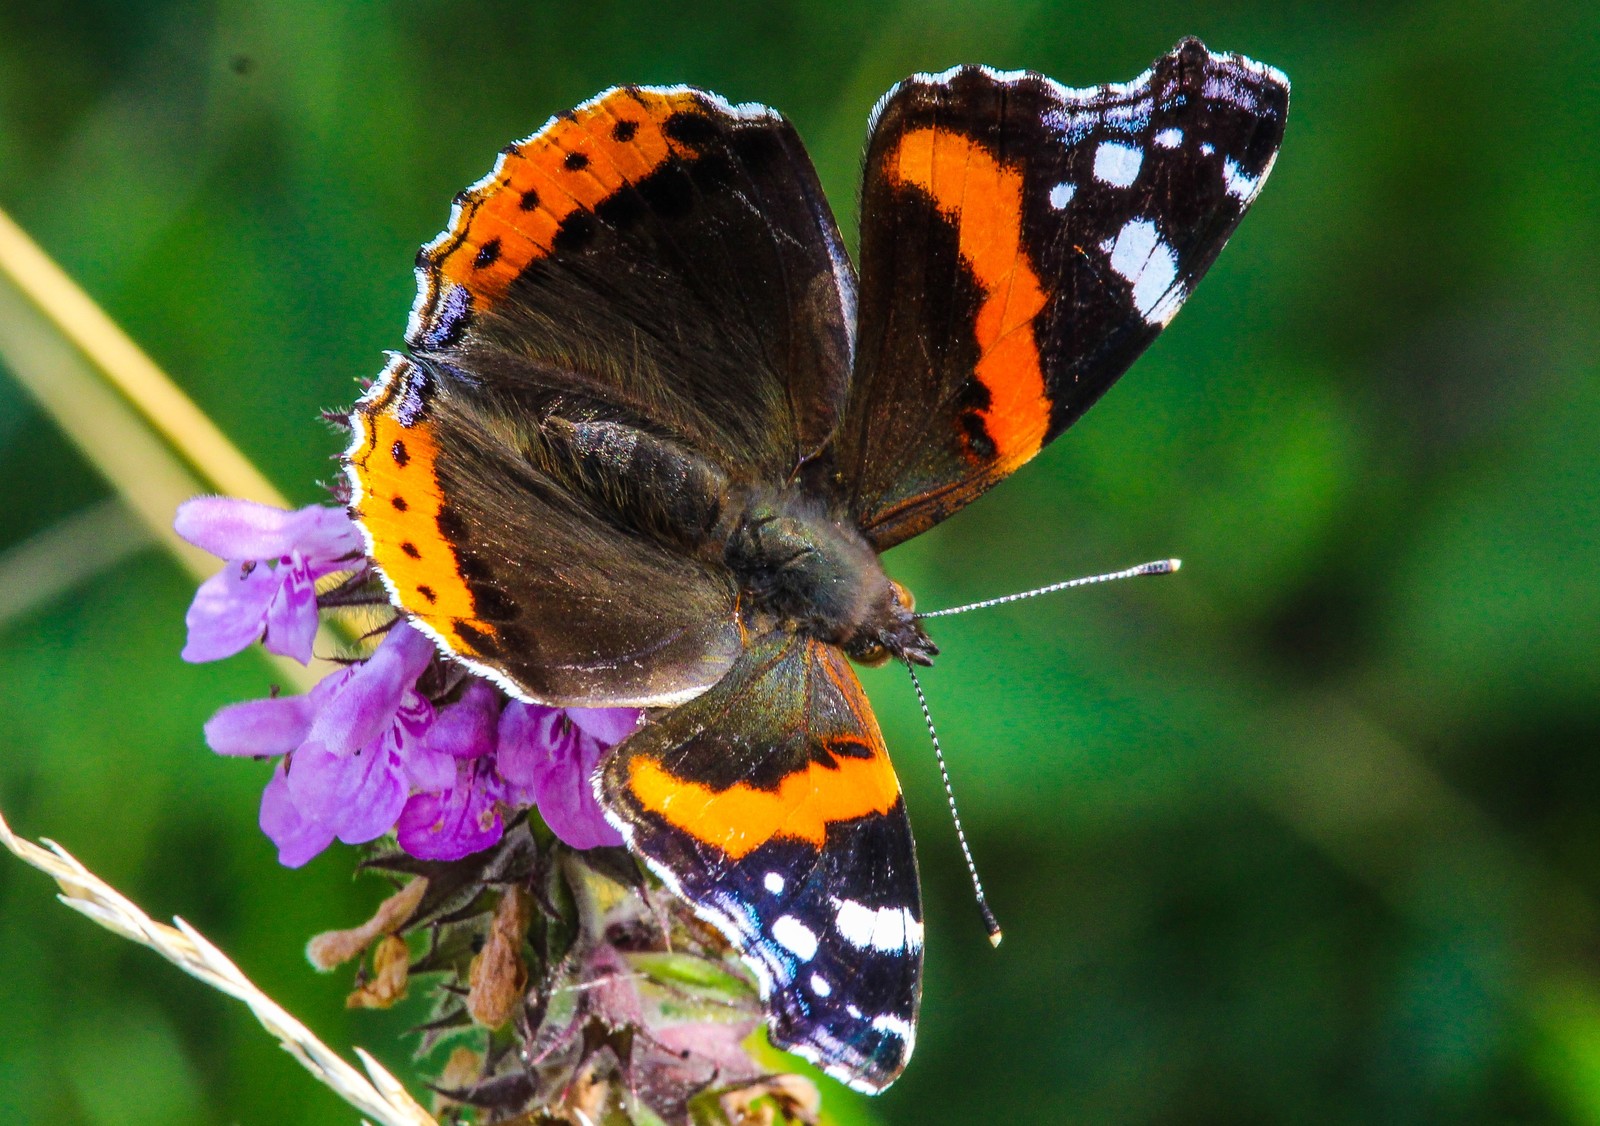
(653, 271)
(1022, 243)
(663, 251)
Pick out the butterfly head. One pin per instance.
(894, 632)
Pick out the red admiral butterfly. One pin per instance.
(654, 432)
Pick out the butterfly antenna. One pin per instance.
(1157, 567)
(989, 920)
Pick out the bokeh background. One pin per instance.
(1310, 832)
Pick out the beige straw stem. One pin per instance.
(124, 364)
(378, 1095)
(124, 415)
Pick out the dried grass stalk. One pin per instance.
(377, 1095)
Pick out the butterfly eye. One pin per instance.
(871, 653)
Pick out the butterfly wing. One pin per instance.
(769, 803)
(666, 253)
(1021, 244)
(643, 302)
(516, 542)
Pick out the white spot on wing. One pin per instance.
(820, 986)
(854, 923)
(891, 930)
(1240, 184)
(897, 1027)
(1082, 113)
(1225, 86)
(1167, 307)
(1062, 194)
(1169, 138)
(795, 936)
(1141, 255)
(1117, 163)
(773, 882)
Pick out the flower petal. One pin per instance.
(531, 737)
(608, 725)
(298, 837)
(366, 703)
(358, 796)
(229, 612)
(555, 763)
(261, 727)
(467, 728)
(242, 529)
(325, 534)
(568, 804)
(292, 613)
(407, 738)
(453, 823)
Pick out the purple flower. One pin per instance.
(357, 749)
(298, 838)
(521, 755)
(468, 729)
(250, 599)
(464, 816)
(365, 752)
(550, 762)
(608, 725)
(450, 824)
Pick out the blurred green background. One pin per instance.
(1310, 832)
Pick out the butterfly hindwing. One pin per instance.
(770, 804)
(555, 557)
(1021, 244)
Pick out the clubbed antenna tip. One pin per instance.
(1156, 567)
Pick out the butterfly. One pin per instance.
(654, 431)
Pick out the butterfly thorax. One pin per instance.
(819, 577)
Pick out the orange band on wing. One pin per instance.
(400, 506)
(982, 197)
(571, 166)
(742, 818)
